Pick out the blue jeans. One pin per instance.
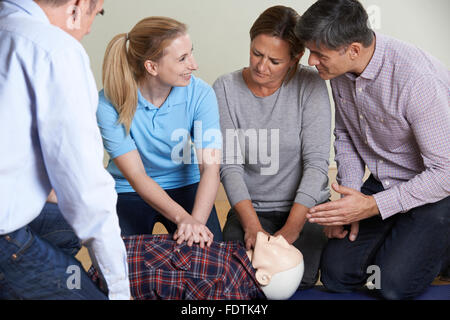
(37, 261)
(137, 217)
(408, 248)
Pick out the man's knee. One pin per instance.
(338, 274)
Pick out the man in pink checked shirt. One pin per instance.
(393, 116)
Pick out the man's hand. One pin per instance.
(353, 207)
(339, 232)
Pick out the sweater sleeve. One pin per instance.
(315, 140)
(232, 168)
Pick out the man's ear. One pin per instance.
(151, 67)
(82, 5)
(354, 50)
(263, 277)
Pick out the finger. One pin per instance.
(354, 230)
(196, 238)
(341, 234)
(249, 244)
(208, 236)
(331, 215)
(342, 190)
(180, 239)
(190, 241)
(210, 241)
(337, 223)
(332, 205)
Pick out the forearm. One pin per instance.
(157, 198)
(294, 223)
(350, 166)
(247, 215)
(297, 216)
(206, 193)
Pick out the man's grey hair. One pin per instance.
(335, 24)
(59, 3)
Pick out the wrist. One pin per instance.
(373, 207)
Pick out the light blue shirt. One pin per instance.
(165, 137)
(49, 138)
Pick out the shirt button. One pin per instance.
(381, 161)
(386, 182)
(360, 89)
(8, 238)
(14, 256)
(361, 116)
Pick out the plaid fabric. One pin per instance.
(395, 118)
(159, 268)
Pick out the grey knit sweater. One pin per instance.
(276, 149)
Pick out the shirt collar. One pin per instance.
(30, 7)
(178, 95)
(376, 63)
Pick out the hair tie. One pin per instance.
(127, 37)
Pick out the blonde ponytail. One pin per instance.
(119, 83)
(124, 67)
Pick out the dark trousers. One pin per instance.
(408, 248)
(137, 217)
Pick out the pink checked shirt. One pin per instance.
(395, 118)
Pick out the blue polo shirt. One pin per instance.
(165, 137)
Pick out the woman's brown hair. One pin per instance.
(280, 22)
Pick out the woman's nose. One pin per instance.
(193, 63)
(262, 65)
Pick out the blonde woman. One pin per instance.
(151, 110)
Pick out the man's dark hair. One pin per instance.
(335, 24)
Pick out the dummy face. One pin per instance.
(273, 255)
(329, 63)
(270, 60)
(176, 66)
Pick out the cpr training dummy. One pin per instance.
(159, 268)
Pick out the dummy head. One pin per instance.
(279, 266)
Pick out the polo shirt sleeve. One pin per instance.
(207, 132)
(115, 138)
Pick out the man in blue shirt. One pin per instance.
(50, 138)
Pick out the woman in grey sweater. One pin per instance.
(276, 123)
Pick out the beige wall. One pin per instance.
(219, 28)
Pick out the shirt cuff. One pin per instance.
(119, 290)
(388, 203)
